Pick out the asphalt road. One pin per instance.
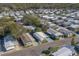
(36, 50)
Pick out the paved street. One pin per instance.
(36, 50)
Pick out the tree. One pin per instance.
(6, 19)
(65, 36)
(31, 20)
(56, 38)
(45, 26)
(50, 49)
(74, 35)
(46, 52)
(7, 30)
(10, 27)
(16, 29)
(38, 29)
(1, 31)
(53, 49)
(44, 41)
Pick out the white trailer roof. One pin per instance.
(42, 34)
(63, 52)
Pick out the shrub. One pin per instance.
(46, 52)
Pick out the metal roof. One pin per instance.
(64, 51)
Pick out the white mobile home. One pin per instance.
(26, 40)
(65, 51)
(65, 31)
(41, 36)
(74, 27)
(32, 39)
(54, 33)
(9, 42)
